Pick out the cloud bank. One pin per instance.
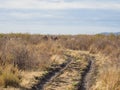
(57, 4)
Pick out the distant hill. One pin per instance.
(108, 33)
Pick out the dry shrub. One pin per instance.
(39, 57)
(35, 39)
(16, 53)
(42, 53)
(99, 46)
(115, 55)
(78, 42)
(27, 55)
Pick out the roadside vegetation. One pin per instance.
(34, 53)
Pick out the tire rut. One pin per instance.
(53, 73)
(87, 77)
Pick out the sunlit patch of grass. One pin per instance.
(108, 79)
(9, 76)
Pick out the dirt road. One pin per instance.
(74, 74)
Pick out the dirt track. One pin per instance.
(51, 75)
(71, 75)
(87, 76)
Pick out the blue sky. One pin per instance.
(59, 16)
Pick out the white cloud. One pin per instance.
(56, 4)
(22, 15)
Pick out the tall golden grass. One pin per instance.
(9, 76)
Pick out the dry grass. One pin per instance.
(9, 76)
(108, 79)
(29, 78)
(36, 52)
(109, 62)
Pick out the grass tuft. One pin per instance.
(9, 76)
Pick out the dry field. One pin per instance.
(63, 62)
